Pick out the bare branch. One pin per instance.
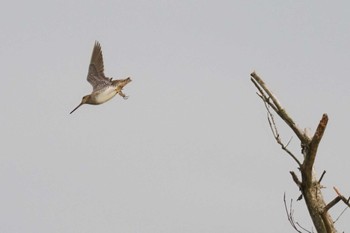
(278, 108)
(263, 96)
(268, 92)
(346, 208)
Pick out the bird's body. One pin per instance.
(101, 97)
(104, 88)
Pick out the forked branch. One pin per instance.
(267, 97)
(309, 186)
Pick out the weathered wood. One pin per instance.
(309, 186)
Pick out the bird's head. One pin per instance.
(84, 100)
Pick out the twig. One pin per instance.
(289, 141)
(296, 179)
(303, 228)
(346, 208)
(290, 213)
(290, 216)
(323, 173)
(263, 96)
(276, 135)
(268, 92)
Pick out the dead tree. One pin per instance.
(309, 185)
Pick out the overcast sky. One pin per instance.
(190, 151)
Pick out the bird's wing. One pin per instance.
(96, 75)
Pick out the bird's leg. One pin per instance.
(123, 95)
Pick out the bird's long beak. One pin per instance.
(76, 107)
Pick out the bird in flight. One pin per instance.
(104, 88)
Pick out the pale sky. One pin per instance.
(190, 151)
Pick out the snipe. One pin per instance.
(104, 88)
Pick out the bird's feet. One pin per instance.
(123, 95)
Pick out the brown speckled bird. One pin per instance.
(104, 88)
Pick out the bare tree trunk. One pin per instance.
(309, 185)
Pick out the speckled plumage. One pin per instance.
(103, 88)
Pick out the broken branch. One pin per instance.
(313, 146)
(346, 201)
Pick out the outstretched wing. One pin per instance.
(96, 75)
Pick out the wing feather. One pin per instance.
(96, 75)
